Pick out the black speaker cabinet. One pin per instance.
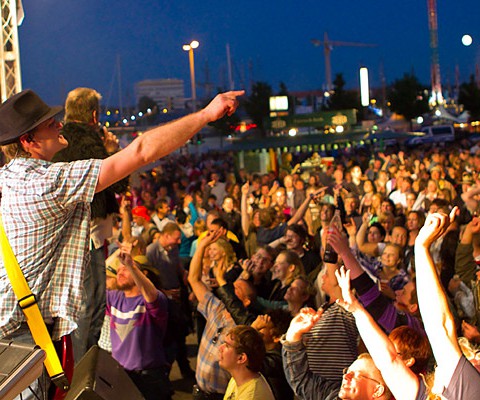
(99, 377)
(20, 365)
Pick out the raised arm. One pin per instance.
(399, 378)
(244, 209)
(303, 208)
(469, 198)
(147, 288)
(365, 247)
(226, 293)
(162, 140)
(195, 271)
(125, 210)
(301, 379)
(437, 318)
(340, 244)
(465, 265)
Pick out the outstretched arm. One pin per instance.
(437, 318)
(162, 140)
(399, 378)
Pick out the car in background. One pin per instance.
(433, 134)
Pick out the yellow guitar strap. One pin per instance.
(28, 303)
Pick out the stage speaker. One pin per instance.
(20, 365)
(99, 377)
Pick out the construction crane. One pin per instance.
(328, 46)
(10, 76)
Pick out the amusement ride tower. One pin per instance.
(436, 97)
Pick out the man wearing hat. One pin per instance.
(148, 230)
(45, 206)
(138, 314)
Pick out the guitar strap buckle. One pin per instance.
(27, 301)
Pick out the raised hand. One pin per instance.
(219, 270)
(366, 218)
(212, 237)
(261, 322)
(126, 252)
(350, 227)
(435, 226)
(247, 265)
(110, 141)
(245, 188)
(475, 225)
(187, 200)
(349, 302)
(302, 323)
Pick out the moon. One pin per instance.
(467, 40)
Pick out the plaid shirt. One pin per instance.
(46, 214)
(210, 377)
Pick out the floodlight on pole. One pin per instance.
(190, 47)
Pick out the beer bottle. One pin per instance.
(330, 255)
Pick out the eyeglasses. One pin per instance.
(356, 375)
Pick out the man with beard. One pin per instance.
(138, 320)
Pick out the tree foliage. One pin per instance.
(283, 89)
(342, 99)
(257, 104)
(408, 97)
(469, 96)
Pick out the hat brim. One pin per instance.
(53, 111)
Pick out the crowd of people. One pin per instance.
(238, 257)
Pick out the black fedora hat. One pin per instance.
(21, 113)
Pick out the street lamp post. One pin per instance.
(189, 47)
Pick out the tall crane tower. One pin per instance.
(10, 76)
(437, 97)
(328, 46)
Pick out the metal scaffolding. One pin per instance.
(10, 76)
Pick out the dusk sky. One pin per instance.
(66, 44)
